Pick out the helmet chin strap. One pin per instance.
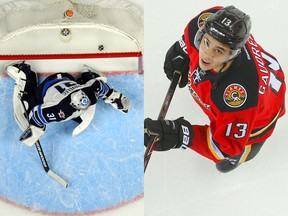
(224, 65)
(215, 83)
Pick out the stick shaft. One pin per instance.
(162, 115)
(43, 158)
(46, 166)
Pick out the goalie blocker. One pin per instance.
(60, 97)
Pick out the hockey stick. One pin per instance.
(43, 158)
(162, 114)
(46, 167)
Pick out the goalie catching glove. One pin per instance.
(110, 96)
(118, 101)
(168, 134)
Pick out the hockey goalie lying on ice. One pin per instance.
(60, 97)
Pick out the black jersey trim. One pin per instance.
(257, 133)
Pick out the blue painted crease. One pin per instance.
(103, 165)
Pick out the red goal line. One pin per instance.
(69, 56)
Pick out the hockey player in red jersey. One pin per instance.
(237, 84)
(60, 97)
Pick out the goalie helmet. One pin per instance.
(79, 100)
(229, 26)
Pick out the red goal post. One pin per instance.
(71, 29)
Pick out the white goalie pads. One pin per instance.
(18, 108)
(19, 112)
(86, 118)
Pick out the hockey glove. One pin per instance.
(117, 100)
(31, 135)
(177, 59)
(168, 134)
(88, 74)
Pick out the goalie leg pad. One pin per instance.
(86, 119)
(19, 111)
(25, 78)
(21, 72)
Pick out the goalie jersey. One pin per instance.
(55, 100)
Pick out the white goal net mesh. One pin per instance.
(63, 28)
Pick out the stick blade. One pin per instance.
(58, 178)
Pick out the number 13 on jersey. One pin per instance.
(239, 130)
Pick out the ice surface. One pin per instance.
(182, 183)
(104, 169)
(103, 165)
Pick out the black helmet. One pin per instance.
(229, 26)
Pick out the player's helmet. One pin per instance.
(229, 26)
(79, 100)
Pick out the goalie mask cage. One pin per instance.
(71, 29)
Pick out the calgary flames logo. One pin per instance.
(202, 19)
(235, 95)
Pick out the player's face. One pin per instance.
(212, 53)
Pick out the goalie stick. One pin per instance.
(43, 158)
(150, 146)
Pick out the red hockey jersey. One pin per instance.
(243, 103)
